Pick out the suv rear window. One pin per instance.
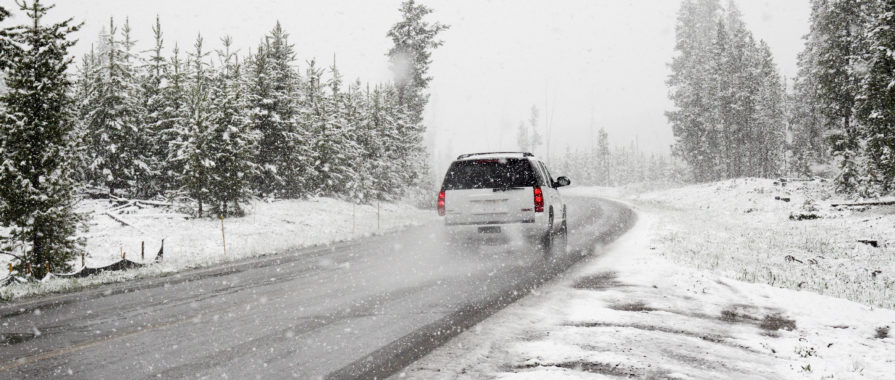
(489, 174)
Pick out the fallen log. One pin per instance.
(872, 243)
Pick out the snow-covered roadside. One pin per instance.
(268, 227)
(632, 312)
(758, 230)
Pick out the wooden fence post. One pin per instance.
(223, 236)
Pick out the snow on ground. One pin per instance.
(739, 229)
(632, 311)
(268, 227)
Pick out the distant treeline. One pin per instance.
(602, 165)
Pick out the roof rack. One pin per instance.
(467, 155)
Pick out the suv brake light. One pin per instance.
(539, 200)
(441, 203)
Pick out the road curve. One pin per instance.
(360, 309)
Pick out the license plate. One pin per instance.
(489, 230)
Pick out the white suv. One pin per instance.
(503, 192)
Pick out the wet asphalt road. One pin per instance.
(362, 309)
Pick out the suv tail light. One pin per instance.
(441, 203)
(539, 200)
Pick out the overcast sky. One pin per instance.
(590, 63)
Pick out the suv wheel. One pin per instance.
(547, 239)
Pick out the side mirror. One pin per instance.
(562, 181)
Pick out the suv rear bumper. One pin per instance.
(529, 228)
(497, 223)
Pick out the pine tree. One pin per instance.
(193, 148)
(153, 74)
(536, 139)
(37, 137)
(284, 149)
(770, 120)
(808, 145)
(693, 119)
(876, 103)
(837, 46)
(603, 174)
(83, 93)
(522, 138)
(172, 121)
(413, 40)
(411, 55)
(230, 143)
(377, 144)
(354, 113)
(117, 141)
(328, 120)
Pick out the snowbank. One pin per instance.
(268, 227)
(633, 313)
(784, 234)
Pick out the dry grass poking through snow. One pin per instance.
(738, 229)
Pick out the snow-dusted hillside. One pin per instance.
(268, 227)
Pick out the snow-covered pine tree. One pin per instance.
(316, 120)
(355, 112)
(374, 137)
(37, 137)
(876, 100)
(193, 148)
(603, 173)
(117, 141)
(536, 139)
(522, 137)
(693, 119)
(808, 145)
(172, 120)
(410, 158)
(329, 123)
(389, 178)
(770, 120)
(229, 143)
(155, 119)
(738, 108)
(836, 43)
(410, 56)
(83, 86)
(284, 153)
(414, 40)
